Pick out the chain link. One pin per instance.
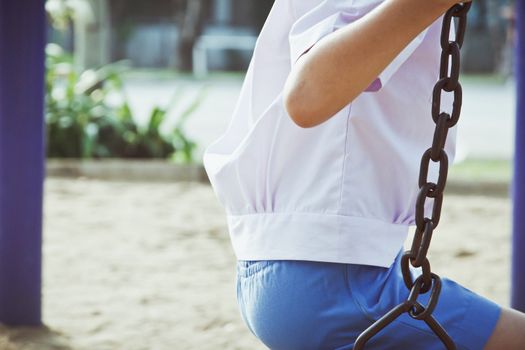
(417, 255)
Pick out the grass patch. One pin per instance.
(482, 170)
(483, 79)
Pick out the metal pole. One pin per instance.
(22, 40)
(518, 243)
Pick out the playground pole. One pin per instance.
(22, 40)
(518, 243)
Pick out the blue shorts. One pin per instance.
(294, 304)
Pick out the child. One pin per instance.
(318, 174)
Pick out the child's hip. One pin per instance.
(295, 304)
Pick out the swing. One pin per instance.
(417, 255)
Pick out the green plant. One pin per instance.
(82, 122)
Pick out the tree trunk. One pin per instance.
(190, 28)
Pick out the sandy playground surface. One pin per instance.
(150, 266)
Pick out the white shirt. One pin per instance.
(342, 191)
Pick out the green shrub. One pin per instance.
(83, 123)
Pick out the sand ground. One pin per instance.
(150, 266)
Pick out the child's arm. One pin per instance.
(342, 65)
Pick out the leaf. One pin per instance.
(124, 113)
(156, 119)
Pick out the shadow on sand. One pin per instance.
(32, 338)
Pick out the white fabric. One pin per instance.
(342, 191)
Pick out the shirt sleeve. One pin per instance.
(331, 15)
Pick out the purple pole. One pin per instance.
(518, 243)
(22, 40)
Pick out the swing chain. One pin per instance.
(428, 190)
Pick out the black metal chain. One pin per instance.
(417, 255)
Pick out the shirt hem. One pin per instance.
(316, 237)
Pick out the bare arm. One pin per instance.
(343, 64)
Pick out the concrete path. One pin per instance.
(486, 129)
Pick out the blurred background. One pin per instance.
(136, 247)
(194, 45)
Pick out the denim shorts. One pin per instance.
(296, 304)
